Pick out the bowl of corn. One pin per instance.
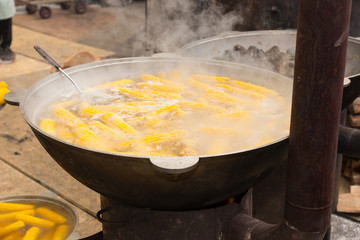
(31, 217)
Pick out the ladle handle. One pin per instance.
(47, 57)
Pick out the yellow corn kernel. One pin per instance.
(121, 109)
(105, 129)
(34, 221)
(160, 87)
(164, 137)
(11, 228)
(32, 233)
(201, 107)
(166, 110)
(253, 87)
(3, 84)
(61, 232)
(50, 215)
(152, 78)
(207, 78)
(119, 83)
(244, 92)
(8, 207)
(88, 138)
(90, 112)
(3, 91)
(48, 126)
(11, 215)
(70, 119)
(134, 93)
(115, 120)
(65, 134)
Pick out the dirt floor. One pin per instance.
(117, 29)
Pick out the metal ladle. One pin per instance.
(55, 64)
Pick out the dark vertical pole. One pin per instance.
(322, 32)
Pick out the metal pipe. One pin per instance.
(321, 45)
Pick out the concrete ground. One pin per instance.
(105, 32)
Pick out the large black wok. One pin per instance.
(147, 182)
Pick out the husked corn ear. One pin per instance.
(69, 119)
(253, 87)
(8, 207)
(48, 126)
(152, 78)
(160, 87)
(3, 91)
(50, 215)
(166, 110)
(213, 78)
(90, 112)
(201, 107)
(121, 109)
(3, 84)
(61, 232)
(164, 95)
(202, 86)
(134, 93)
(225, 98)
(104, 128)
(13, 236)
(65, 134)
(11, 215)
(165, 136)
(115, 120)
(244, 92)
(34, 221)
(32, 233)
(11, 228)
(88, 138)
(119, 83)
(144, 103)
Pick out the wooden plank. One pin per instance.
(348, 203)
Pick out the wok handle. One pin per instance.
(15, 97)
(174, 165)
(351, 91)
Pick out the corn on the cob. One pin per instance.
(200, 107)
(90, 112)
(225, 98)
(152, 78)
(69, 119)
(100, 127)
(134, 94)
(3, 84)
(160, 87)
(201, 86)
(145, 103)
(50, 215)
(118, 83)
(13, 236)
(211, 78)
(114, 120)
(11, 228)
(244, 92)
(8, 207)
(48, 126)
(166, 110)
(88, 138)
(164, 137)
(253, 87)
(32, 233)
(61, 232)
(11, 215)
(3, 91)
(164, 95)
(64, 133)
(34, 221)
(121, 109)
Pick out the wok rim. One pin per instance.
(82, 67)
